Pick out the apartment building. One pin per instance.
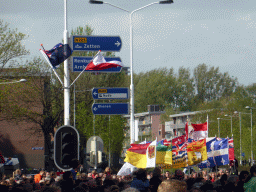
(176, 127)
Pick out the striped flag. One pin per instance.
(231, 148)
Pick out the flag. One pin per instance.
(196, 131)
(164, 154)
(142, 155)
(179, 140)
(217, 153)
(167, 143)
(179, 155)
(197, 152)
(2, 158)
(58, 54)
(126, 169)
(99, 63)
(231, 149)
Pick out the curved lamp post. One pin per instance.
(131, 58)
(251, 108)
(16, 81)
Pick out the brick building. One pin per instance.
(17, 138)
(149, 127)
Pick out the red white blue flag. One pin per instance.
(99, 63)
(58, 54)
(231, 148)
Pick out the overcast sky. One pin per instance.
(219, 33)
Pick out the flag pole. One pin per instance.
(47, 59)
(66, 72)
(155, 152)
(207, 124)
(83, 70)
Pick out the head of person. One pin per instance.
(179, 175)
(172, 185)
(67, 175)
(94, 172)
(141, 174)
(42, 173)
(243, 176)
(18, 172)
(167, 174)
(223, 179)
(75, 163)
(157, 172)
(253, 171)
(107, 170)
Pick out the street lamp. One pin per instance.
(19, 81)
(240, 127)
(248, 107)
(132, 137)
(240, 134)
(231, 122)
(218, 127)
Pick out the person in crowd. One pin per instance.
(75, 165)
(17, 175)
(172, 185)
(67, 183)
(38, 177)
(107, 171)
(140, 181)
(94, 174)
(242, 178)
(251, 184)
(179, 175)
(167, 175)
(155, 180)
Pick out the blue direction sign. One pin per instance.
(79, 63)
(110, 108)
(110, 93)
(95, 43)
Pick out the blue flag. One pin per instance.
(217, 152)
(58, 54)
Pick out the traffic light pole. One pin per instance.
(66, 73)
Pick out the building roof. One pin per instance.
(146, 113)
(185, 113)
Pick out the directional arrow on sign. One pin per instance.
(95, 43)
(118, 43)
(110, 93)
(110, 108)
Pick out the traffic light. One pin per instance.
(66, 147)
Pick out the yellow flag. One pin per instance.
(197, 152)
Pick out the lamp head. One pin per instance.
(95, 2)
(22, 80)
(235, 112)
(218, 118)
(166, 2)
(247, 107)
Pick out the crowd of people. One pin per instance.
(222, 180)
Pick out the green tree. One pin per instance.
(154, 87)
(10, 46)
(38, 101)
(210, 84)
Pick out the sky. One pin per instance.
(219, 33)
